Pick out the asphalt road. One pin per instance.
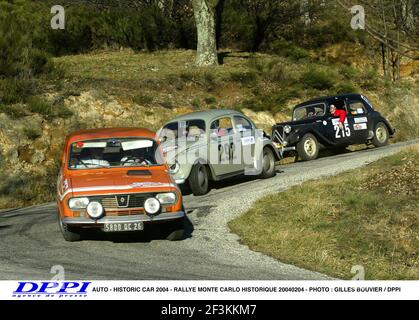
(31, 243)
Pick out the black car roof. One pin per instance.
(329, 99)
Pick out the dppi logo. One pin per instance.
(65, 289)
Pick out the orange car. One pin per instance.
(116, 180)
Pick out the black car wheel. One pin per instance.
(69, 234)
(308, 147)
(198, 180)
(268, 164)
(380, 135)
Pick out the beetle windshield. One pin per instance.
(307, 112)
(111, 153)
(191, 129)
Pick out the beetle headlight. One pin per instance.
(152, 206)
(287, 129)
(166, 198)
(95, 210)
(174, 168)
(78, 203)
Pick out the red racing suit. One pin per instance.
(341, 114)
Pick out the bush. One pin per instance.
(15, 90)
(345, 87)
(39, 105)
(64, 112)
(276, 72)
(370, 80)
(13, 111)
(317, 79)
(288, 49)
(348, 72)
(196, 103)
(143, 100)
(273, 101)
(245, 78)
(210, 100)
(31, 133)
(22, 41)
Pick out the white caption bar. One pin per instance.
(209, 290)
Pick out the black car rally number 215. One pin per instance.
(313, 126)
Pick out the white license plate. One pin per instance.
(123, 227)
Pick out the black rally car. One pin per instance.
(313, 126)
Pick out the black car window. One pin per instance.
(339, 104)
(307, 112)
(356, 107)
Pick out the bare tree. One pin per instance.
(204, 11)
(392, 23)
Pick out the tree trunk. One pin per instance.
(204, 11)
(219, 21)
(305, 12)
(383, 55)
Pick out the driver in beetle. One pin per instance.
(341, 114)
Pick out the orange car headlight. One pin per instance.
(167, 198)
(78, 203)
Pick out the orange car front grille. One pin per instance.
(121, 202)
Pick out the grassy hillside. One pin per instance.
(369, 218)
(123, 88)
(258, 82)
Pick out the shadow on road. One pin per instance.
(230, 182)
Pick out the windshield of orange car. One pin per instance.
(112, 153)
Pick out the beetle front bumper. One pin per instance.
(83, 221)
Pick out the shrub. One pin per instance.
(196, 103)
(39, 105)
(256, 64)
(273, 101)
(31, 133)
(22, 40)
(288, 49)
(210, 80)
(345, 87)
(64, 112)
(348, 72)
(9, 91)
(245, 78)
(370, 80)
(143, 100)
(276, 72)
(13, 111)
(317, 79)
(14, 90)
(167, 104)
(210, 100)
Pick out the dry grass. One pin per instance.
(369, 217)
